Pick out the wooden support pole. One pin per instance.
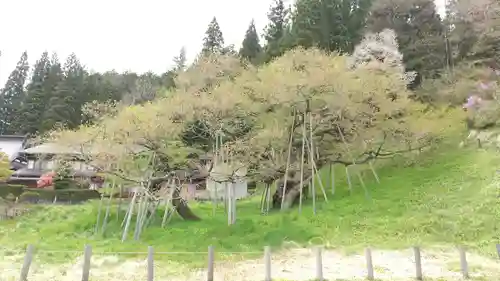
(151, 265)
(87, 255)
(267, 263)
(211, 258)
(418, 263)
(28, 258)
(464, 267)
(369, 264)
(319, 264)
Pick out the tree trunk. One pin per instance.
(292, 192)
(182, 207)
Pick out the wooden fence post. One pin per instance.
(210, 270)
(28, 258)
(369, 264)
(267, 263)
(418, 263)
(319, 264)
(151, 265)
(87, 254)
(498, 250)
(463, 263)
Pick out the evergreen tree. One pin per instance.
(214, 40)
(34, 103)
(54, 102)
(12, 95)
(332, 25)
(180, 60)
(250, 47)
(67, 85)
(276, 30)
(420, 33)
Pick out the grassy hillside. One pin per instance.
(449, 198)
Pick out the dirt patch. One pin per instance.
(294, 264)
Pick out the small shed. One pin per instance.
(219, 181)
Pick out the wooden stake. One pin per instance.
(268, 201)
(319, 264)
(332, 178)
(151, 265)
(108, 208)
(211, 259)
(28, 258)
(311, 153)
(288, 161)
(167, 203)
(96, 228)
(230, 203)
(129, 217)
(464, 267)
(348, 176)
(369, 264)
(302, 163)
(418, 263)
(267, 263)
(318, 177)
(87, 254)
(353, 160)
(373, 171)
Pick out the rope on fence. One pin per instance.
(133, 253)
(211, 260)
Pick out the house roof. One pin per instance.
(20, 137)
(50, 148)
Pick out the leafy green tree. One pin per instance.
(11, 97)
(250, 47)
(213, 43)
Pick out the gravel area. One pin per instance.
(292, 264)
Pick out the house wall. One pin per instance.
(11, 147)
(218, 190)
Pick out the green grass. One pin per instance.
(447, 199)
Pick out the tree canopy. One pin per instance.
(355, 111)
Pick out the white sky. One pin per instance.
(120, 34)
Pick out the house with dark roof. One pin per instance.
(42, 159)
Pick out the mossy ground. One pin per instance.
(448, 199)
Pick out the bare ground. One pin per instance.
(293, 264)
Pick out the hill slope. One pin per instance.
(451, 198)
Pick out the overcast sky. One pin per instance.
(120, 34)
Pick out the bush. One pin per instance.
(15, 190)
(64, 184)
(29, 197)
(5, 171)
(454, 88)
(64, 195)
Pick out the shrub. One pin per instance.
(29, 197)
(15, 190)
(453, 89)
(5, 171)
(64, 195)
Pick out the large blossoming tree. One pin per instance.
(354, 109)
